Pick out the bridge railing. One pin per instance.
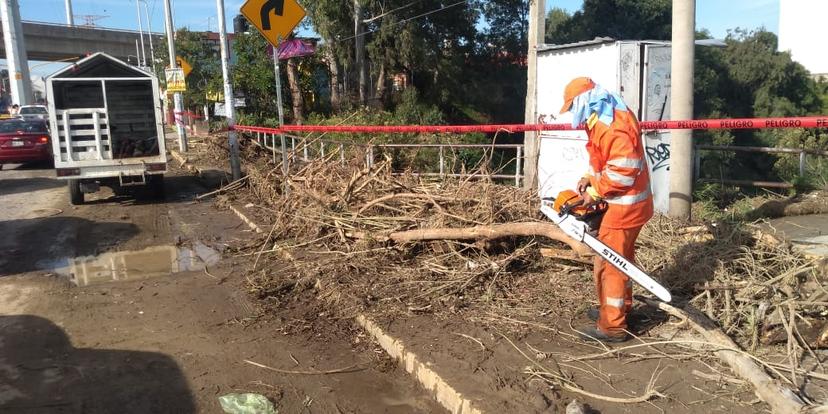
(444, 162)
(80, 26)
(800, 152)
(423, 160)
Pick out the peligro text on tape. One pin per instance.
(700, 124)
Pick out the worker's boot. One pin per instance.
(594, 334)
(635, 318)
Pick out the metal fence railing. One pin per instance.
(444, 160)
(802, 153)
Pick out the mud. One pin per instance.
(170, 324)
(152, 262)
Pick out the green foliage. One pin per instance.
(465, 59)
(750, 78)
(555, 20)
(619, 19)
(253, 76)
(205, 61)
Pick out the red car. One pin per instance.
(24, 141)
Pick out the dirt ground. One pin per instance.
(150, 329)
(136, 305)
(507, 341)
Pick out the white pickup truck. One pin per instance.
(106, 127)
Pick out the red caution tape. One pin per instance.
(703, 124)
(189, 114)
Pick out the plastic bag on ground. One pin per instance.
(246, 404)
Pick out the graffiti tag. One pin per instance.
(659, 156)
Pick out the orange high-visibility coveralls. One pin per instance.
(618, 174)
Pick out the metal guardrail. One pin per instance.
(321, 148)
(269, 141)
(803, 154)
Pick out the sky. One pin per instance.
(718, 16)
(715, 15)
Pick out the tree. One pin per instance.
(555, 19)
(205, 61)
(750, 78)
(331, 20)
(619, 19)
(253, 75)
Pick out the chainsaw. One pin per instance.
(581, 221)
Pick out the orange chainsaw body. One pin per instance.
(570, 202)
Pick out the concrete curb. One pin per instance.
(253, 226)
(444, 393)
(439, 389)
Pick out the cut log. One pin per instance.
(496, 231)
(780, 398)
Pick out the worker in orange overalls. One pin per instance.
(618, 174)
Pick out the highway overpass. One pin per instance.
(54, 42)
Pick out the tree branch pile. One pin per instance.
(366, 238)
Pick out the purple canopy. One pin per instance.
(293, 48)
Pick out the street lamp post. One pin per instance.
(232, 138)
(141, 34)
(70, 18)
(149, 28)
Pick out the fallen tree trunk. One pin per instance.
(495, 231)
(780, 398)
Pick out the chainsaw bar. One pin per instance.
(579, 231)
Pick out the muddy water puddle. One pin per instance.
(149, 263)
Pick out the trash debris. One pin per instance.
(246, 404)
(575, 407)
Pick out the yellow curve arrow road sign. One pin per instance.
(275, 19)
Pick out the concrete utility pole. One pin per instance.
(681, 147)
(531, 141)
(16, 58)
(70, 18)
(141, 34)
(235, 163)
(179, 100)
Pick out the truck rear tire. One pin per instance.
(75, 193)
(156, 187)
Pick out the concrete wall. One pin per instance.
(49, 42)
(801, 24)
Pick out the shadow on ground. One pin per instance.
(10, 186)
(177, 189)
(24, 249)
(41, 372)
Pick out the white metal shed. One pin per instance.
(638, 70)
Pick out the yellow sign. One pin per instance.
(176, 81)
(215, 96)
(183, 64)
(275, 19)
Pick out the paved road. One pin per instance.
(109, 307)
(807, 233)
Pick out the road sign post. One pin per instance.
(275, 20)
(285, 166)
